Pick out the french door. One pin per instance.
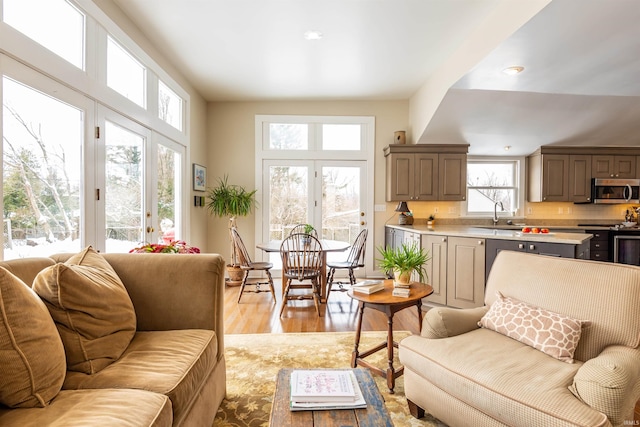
(328, 194)
(138, 193)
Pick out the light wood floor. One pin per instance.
(256, 313)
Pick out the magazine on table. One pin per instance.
(330, 389)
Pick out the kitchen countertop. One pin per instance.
(500, 233)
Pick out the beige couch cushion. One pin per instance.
(80, 408)
(514, 383)
(173, 363)
(91, 308)
(552, 333)
(31, 352)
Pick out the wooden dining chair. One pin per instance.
(248, 266)
(354, 260)
(301, 262)
(300, 229)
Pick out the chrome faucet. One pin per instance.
(495, 212)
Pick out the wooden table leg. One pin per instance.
(391, 378)
(354, 354)
(419, 304)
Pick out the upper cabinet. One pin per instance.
(426, 172)
(613, 166)
(563, 174)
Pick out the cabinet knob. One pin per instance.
(532, 247)
(444, 239)
(597, 245)
(520, 245)
(480, 242)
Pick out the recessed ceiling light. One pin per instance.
(312, 35)
(512, 71)
(507, 147)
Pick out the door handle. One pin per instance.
(150, 230)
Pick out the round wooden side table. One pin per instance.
(385, 302)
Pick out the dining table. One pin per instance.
(327, 246)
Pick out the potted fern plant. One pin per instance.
(231, 201)
(403, 261)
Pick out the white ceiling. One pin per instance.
(581, 84)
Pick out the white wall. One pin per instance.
(231, 139)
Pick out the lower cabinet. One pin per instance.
(456, 270)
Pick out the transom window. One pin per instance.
(57, 25)
(315, 136)
(169, 106)
(490, 182)
(125, 74)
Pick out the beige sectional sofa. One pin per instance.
(521, 368)
(171, 371)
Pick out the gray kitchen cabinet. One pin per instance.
(426, 172)
(393, 237)
(563, 250)
(436, 267)
(465, 272)
(605, 166)
(455, 270)
(548, 177)
(580, 178)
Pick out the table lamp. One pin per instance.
(404, 219)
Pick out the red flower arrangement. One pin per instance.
(174, 247)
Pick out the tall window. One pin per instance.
(490, 182)
(125, 74)
(57, 25)
(42, 163)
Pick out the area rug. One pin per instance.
(253, 361)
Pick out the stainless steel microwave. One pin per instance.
(612, 191)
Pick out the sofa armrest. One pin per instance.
(442, 322)
(609, 383)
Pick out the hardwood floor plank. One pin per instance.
(257, 313)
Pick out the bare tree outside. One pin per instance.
(41, 170)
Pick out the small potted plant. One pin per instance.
(308, 229)
(403, 261)
(431, 220)
(229, 200)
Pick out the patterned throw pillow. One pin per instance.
(92, 310)
(552, 333)
(32, 359)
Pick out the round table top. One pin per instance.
(418, 291)
(326, 244)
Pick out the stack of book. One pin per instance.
(368, 286)
(401, 292)
(314, 390)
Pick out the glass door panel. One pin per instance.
(42, 164)
(124, 211)
(332, 204)
(169, 168)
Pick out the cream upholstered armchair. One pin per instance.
(557, 347)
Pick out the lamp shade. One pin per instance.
(402, 207)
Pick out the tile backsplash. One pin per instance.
(559, 213)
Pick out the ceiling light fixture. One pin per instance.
(512, 71)
(507, 147)
(312, 35)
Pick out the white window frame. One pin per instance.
(519, 179)
(315, 152)
(91, 83)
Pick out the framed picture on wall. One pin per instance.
(199, 177)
